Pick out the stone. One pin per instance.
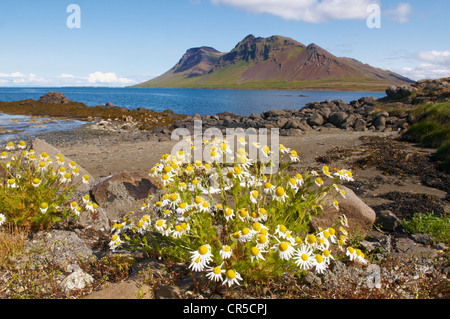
(360, 216)
(129, 289)
(380, 123)
(168, 292)
(360, 125)
(39, 146)
(76, 280)
(61, 247)
(315, 120)
(274, 113)
(337, 118)
(121, 193)
(388, 221)
(54, 98)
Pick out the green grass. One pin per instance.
(432, 130)
(437, 226)
(228, 78)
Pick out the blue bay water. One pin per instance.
(180, 101)
(189, 101)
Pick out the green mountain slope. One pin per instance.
(273, 63)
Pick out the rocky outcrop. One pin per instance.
(360, 115)
(361, 217)
(54, 98)
(121, 193)
(423, 91)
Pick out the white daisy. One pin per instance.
(215, 273)
(2, 219)
(284, 250)
(320, 264)
(304, 257)
(225, 252)
(232, 277)
(256, 253)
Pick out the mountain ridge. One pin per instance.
(275, 62)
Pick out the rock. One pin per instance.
(54, 98)
(60, 247)
(337, 118)
(400, 92)
(121, 193)
(76, 280)
(109, 105)
(380, 123)
(129, 289)
(97, 221)
(409, 247)
(388, 221)
(40, 146)
(425, 239)
(360, 216)
(274, 113)
(255, 116)
(360, 125)
(168, 292)
(315, 120)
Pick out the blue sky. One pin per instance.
(122, 42)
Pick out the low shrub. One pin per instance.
(235, 222)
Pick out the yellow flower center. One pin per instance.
(228, 212)
(217, 270)
(159, 223)
(311, 239)
(254, 251)
(203, 250)
(257, 226)
(304, 257)
(237, 170)
(178, 228)
(319, 259)
(282, 228)
(243, 212)
(279, 191)
(326, 253)
(332, 231)
(231, 274)
(173, 197)
(283, 246)
(262, 239)
(226, 248)
(245, 231)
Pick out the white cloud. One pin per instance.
(401, 14)
(66, 79)
(66, 76)
(314, 11)
(429, 65)
(439, 57)
(109, 78)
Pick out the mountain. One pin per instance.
(273, 63)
